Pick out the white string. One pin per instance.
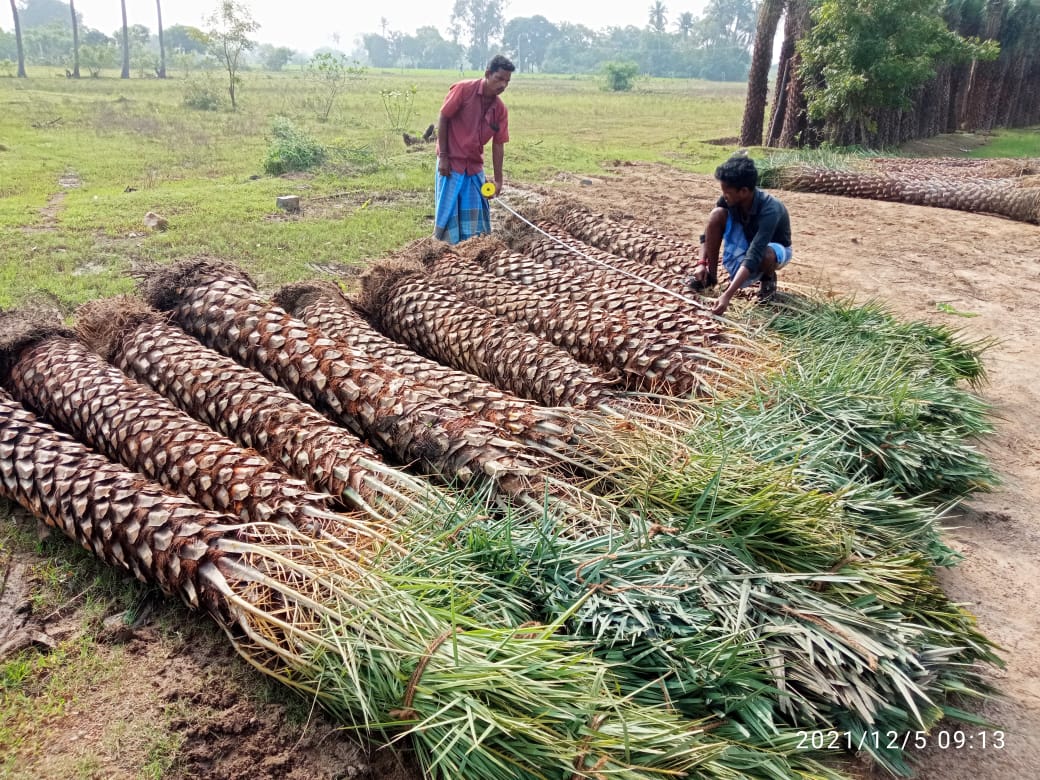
(638, 278)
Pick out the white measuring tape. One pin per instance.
(578, 252)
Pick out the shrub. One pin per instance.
(291, 149)
(203, 94)
(620, 75)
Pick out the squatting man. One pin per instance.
(753, 229)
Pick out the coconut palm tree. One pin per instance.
(658, 16)
(685, 25)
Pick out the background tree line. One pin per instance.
(51, 33)
(716, 45)
(872, 73)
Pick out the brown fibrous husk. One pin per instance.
(380, 279)
(21, 329)
(161, 286)
(297, 296)
(101, 323)
(480, 248)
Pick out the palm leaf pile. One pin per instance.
(524, 503)
(1005, 187)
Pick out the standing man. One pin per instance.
(472, 114)
(754, 230)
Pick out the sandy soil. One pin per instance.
(914, 258)
(179, 677)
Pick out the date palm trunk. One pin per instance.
(52, 373)
(988, 196)
(433, 320)
(248, 408)
(315, 619)
(324, 308)
(218, 304)
(645, 358)
(758, 75)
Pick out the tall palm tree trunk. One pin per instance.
(75, 40)
(18, 40)
(758, 75)
(162, 43)
(125, 72)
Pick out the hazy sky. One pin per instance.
(310, 24)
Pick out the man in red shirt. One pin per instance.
(472, 114)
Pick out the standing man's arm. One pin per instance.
(443, 163)
(498, 152)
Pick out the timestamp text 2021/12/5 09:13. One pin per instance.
(955, 739)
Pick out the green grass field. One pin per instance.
(82, 162)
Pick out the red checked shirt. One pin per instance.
(473, 120)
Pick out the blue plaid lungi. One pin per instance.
(735, 246)
(462, 212)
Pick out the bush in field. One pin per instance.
(291, 149)
(330, 73)
(202, 92)
(620, 75)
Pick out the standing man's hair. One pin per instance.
(738, 172)
(500, 62)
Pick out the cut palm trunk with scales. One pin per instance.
(1005, 197)
(644, 358)
(248, 408)
(725, 354)
(218, 304)
(322, 306)
(477, 703)
(47, 369)
(431, 319)
(156, 347)
(549, 240)
(633, 240)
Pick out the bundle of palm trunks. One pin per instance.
(525, 502)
